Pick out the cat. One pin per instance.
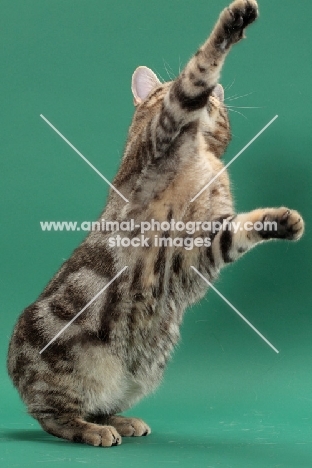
(115, 352)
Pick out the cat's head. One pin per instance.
(148, 94)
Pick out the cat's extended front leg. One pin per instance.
(189, 93)
(202, 73)
(243, 231)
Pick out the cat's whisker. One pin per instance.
(237, 112)
(180, 65)
(161, 77)
(244, 107)
(229, 87)
(229, 98)
(169, 72)
(233, 98)
(165, 66)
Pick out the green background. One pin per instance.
(227, 399)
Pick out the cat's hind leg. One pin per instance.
(78, 430)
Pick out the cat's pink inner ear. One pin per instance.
(144, 81)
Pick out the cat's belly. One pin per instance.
(108, 386)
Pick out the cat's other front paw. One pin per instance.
(235, 19)
(282, 223)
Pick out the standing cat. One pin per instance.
(114, 353)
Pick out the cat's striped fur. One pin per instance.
(115, 352)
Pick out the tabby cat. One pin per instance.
(114, 353)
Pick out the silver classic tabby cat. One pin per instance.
(115, 352)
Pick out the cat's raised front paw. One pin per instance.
(235, 19)
(243, 12)
(285, 224)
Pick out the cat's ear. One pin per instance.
(144, 81)
(218, 92)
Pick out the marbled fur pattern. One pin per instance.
(116, 351)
